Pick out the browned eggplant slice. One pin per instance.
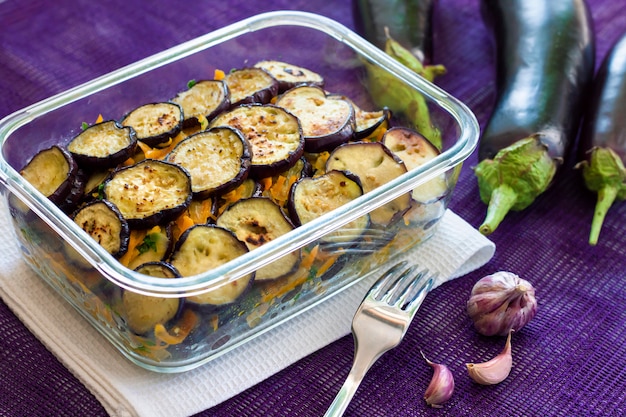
(204, 247)
(257, 221)
(289, 75)
(311, 198)
(157, 246)
(103, 145)
(77, 192)
(274, 134)
(251, 85)
(204, 99)
(415, 150)
(52, 172)
(368, 122)
(375, 165)
(149, 192)
(155, 123)
(143, 312)
(326, 121)
(217, 159)
(105, 224)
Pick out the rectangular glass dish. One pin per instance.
(94, 282)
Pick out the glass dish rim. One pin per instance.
(115, 272)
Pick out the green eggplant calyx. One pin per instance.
(513, 179)
(403, 55)
(604, 168)
(603, 173)
(389, 91)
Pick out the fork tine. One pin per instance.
(398, 286)
(380, 287)
(413, 299)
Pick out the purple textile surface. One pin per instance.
(569, 361)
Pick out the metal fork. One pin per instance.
(380, 323)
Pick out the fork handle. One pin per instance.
(362, 363)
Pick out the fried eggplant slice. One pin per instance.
(52, 172)
(156, 246)
(204, 247)
(327, 121)
(274, 134)
(251, 85)
(289, 75)
(415, 150)
(257, 221)
(367, 123)
(105, 224)
(155, 123)
(204, 99)
(149, 192)
(103, 145)
(375, 165)
(143, 312)
(77, 192)
(218, 160)
(311, 198)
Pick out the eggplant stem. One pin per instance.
(606, 197)
(500, 203)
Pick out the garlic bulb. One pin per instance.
(495, 370)
(501, 302)
(441, 384)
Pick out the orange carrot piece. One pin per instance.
(219, 74)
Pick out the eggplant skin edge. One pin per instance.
(558, 41)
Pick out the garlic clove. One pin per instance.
(495, 370)
(441, 384)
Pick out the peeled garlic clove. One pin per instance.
(441, 384)
(501, 302)
(495, 370)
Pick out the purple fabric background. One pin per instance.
(571, 359)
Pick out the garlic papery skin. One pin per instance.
(441, 384)
(501, 302)
(495, 370)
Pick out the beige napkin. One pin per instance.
(124, 389)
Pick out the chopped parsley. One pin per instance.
(149, 243)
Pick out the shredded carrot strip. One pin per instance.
(183, 222)
(266, 183)
(99, 119)
(160, 153)
(308, 260)
(277, 189)
(128, 162)
(215, 322)
(136, 239)
(326, 266)
(219, 74)
(181, 330)
(272, 291)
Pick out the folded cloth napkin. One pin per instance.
(125, 389)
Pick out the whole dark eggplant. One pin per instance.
(603, 136)
(545, 52)
(407, 21)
